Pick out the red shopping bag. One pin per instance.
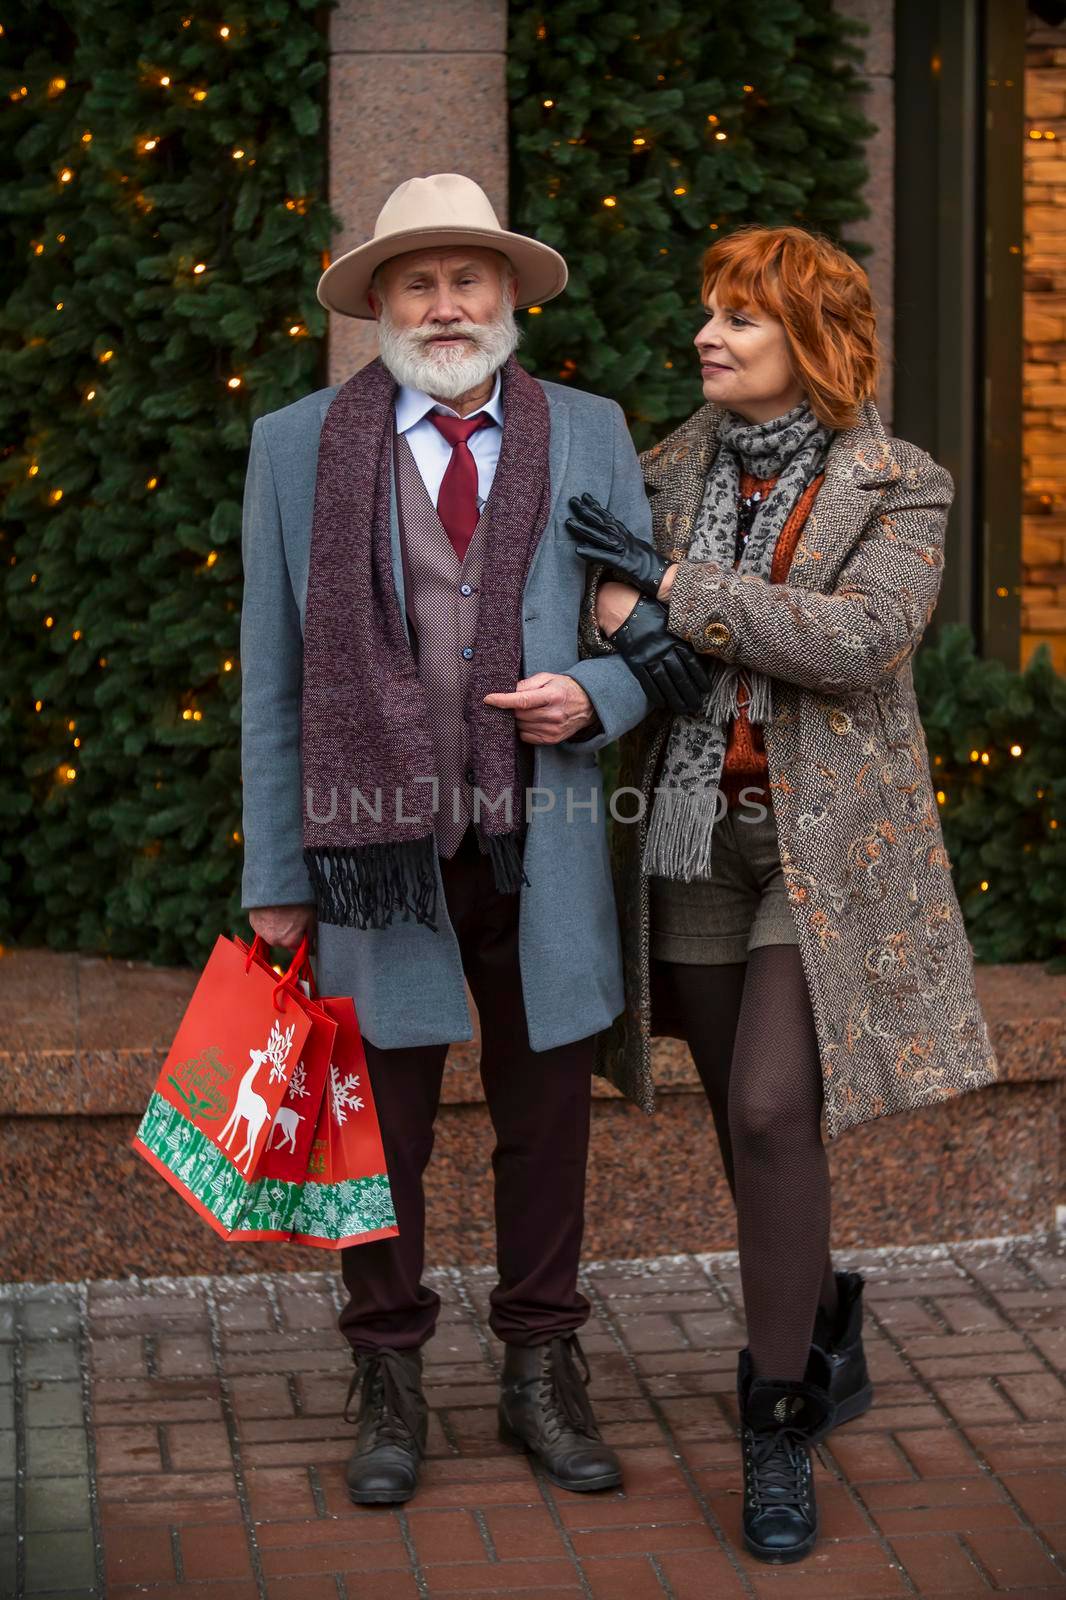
(212, 1112)
(332, 1189)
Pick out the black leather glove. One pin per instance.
(668, 670)
(601, 537)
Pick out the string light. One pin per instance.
(233, 383)
(749, 88)
(713, 120)
(105, 355)
(61, 237)
(984, 884)
(681, 189)
(76, 635)
(34, 470)
(1015, 749)
(59, 305)
(49, 622)
(238, 154)
(984, 758)
(38, 249)
(147, 144)
(609, 200)
(199, 94)
(201, 266)
(102, 662)
(38, 704)
(66, 174)
(548, 104)
(535, 311)
(152, 483)
(86, 137)
(1002, 593)
(975, 755)
(68, 773)
(77, 744)
(296, 329)
(212, 558)
(91, 394)
(296, 203)
(165, 81)
(57, 85)
(227, 666)
(941, 797)
(56, 496)
(720, 135)
(639, 142)
(71, 726)
(223, 32)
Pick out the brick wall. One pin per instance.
(1044, 421)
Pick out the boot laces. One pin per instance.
(779, 1469)
(387, 1399)
(563, 1389)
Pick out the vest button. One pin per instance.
(464, 588)
(468, 654)
(840, 722)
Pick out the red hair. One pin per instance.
(822, 298)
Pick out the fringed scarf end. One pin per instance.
(505, 853)
(369, 886)
(679, 835)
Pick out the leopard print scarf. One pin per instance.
(791, 448)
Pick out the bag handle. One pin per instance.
(287, 982)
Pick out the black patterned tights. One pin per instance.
(751, 1032)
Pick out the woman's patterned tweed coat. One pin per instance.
(881, 936)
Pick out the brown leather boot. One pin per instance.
(544, 1408)
(392, 1422)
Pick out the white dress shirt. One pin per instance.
(430, 448)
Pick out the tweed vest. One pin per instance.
(443, 598)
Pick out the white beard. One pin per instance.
(446, 373)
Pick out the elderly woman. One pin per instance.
(787, 898)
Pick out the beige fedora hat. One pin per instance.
(424, 213)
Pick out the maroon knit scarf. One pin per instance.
(366, 750)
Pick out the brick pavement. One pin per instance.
(213, 1465)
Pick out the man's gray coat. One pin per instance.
(406, 980)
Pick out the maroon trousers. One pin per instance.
(539, 1104)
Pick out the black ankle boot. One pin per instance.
(779, 1421)
(544, 1409)
(840, 1342)
(392, 1421)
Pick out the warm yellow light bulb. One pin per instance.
(77, 744)
(548, 104)
(72, 773)
(681, 189)
(152, 483)
(86, 137)
(199, 94)
(71, 726)
(65, 175)
(227, 666)
(975, 755)
(212, 558)
(59, 305)
(201, 266)
(57, 85)
(1015, 749)
(984, 883)
(76, 634)
(165, 81)
(37, 704)
(233, 383)
(105, 355)
(38, 249)
(609, 200)
(984, 758)
(941, 796)
(236, 837)
(49, 622)
(91, 395)
(187, 715)
(640, 141)
(223, 32)
(296, 328)
(535, 311)
(721, 135)
(238, 153)
(34, 470)
(56, 496)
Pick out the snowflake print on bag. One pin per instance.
(343, 1095)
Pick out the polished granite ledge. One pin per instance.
(87, 1035)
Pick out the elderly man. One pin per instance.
(420, 780)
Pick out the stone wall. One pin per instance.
(1044, 418)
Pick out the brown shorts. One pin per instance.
(743, 904)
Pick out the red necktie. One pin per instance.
(457, 501)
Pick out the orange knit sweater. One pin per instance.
(745, 755)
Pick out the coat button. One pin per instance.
(464, 588)
(468, 654)
(840, 722)
(717, 634)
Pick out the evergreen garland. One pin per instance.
(162, 179)
(997, 747)
(641, 132)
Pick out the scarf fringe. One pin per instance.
(679, 834)
(723, 701)
(368, 886)
(505, 853)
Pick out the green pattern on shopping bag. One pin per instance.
(324, 1211)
